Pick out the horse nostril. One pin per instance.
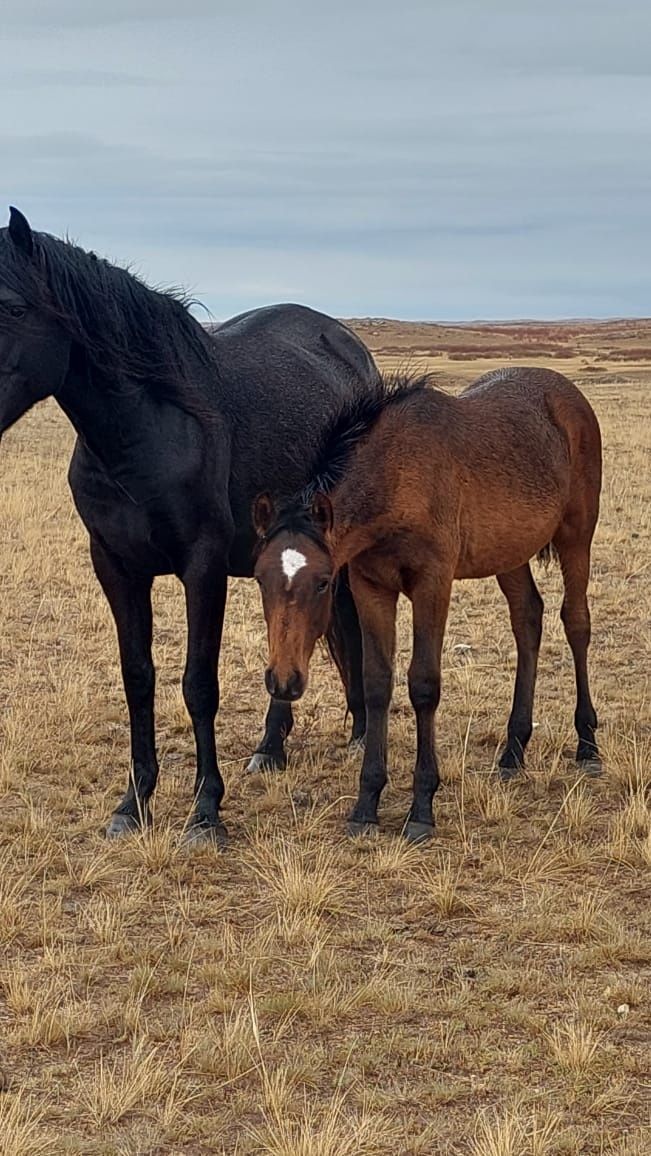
(270, 680)
(295, 685)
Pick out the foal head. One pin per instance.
(295, 572)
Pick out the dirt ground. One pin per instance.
(301, 994)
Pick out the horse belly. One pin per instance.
(495, 545)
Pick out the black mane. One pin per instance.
(353, 423)
(130, 332)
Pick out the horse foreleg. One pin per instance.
(205, 598)
(270, 754)
(130, 601)
(377, 614)
(430, 599)
(526, 611)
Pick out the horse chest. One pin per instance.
(149, 535)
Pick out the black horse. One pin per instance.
(178, 430)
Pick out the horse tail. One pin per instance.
(547, 555)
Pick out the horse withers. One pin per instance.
(415, 488)
(177, 431)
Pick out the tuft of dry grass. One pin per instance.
(21, 1133)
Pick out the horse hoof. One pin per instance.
(505, 774)
(591, 767)
(262, 763)
(418, 832)
(205, 835)
(364, 830)
(122, 824)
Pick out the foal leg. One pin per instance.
(130, 601)
(270, 755)
(430, 603)
(345, 644)
(205, 596)
(574, 557)
(377, 612)
(526, 610)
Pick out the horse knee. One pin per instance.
(201, 693)
(424, 691)
(139, 680)
(576, 621)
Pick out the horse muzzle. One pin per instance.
(288, 690)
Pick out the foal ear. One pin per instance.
(20, 231)
(322, 513)
(263, 513)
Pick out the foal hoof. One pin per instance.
(262, 763)
(124, 824)
(418, 832)
(357, 830)
(201, 834)
(591, 767)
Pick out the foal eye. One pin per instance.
(323, 586)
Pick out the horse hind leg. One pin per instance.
(526, 611)
(574, 557)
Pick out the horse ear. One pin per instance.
(263, 514)
(20, 231)
(322, 513)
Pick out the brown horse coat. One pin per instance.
(418, 488)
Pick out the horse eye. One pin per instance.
(323, 586)
(17, 311)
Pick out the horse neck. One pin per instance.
(120, 423)
(351, 533)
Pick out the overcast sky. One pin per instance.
(419, 158)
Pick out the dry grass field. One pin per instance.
(301, 994)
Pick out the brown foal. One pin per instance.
(414, 489)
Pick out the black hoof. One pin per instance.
(202, 834)
(264, 763)
(121, 824)
(591, 767)
(365, 830)
(418, 832)
(508, 771)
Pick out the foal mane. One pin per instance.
(129, 331)
(355, 419)
(354, 422)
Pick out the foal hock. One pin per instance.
(414, 489)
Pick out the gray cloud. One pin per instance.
(447, 160)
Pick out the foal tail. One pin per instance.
(547, 555)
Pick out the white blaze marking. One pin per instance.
(292, 562)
